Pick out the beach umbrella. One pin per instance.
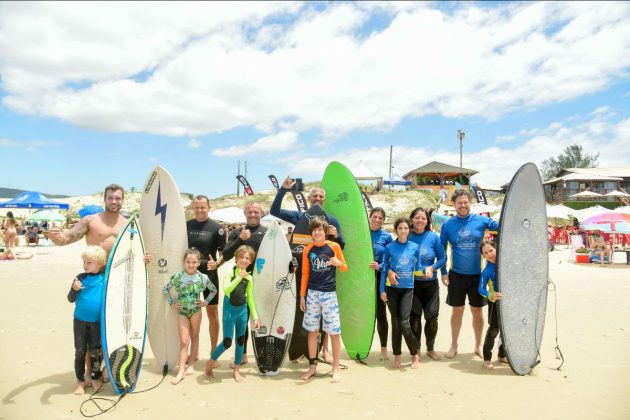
(483, 208)
(622, 227)
(610, 217)
(47, 215)
(586, 194)
(590, 211)
(623, 209)
(617, 193)
(90, 209)
(604, 227)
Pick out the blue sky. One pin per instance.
(94, 93)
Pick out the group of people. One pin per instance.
(405, 277)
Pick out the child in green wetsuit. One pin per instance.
(239, 295)
(188, 284)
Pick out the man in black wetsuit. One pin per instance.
(252, 234)
(209, 238)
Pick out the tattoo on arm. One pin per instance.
(77, 232)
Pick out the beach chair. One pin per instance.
(576, 242)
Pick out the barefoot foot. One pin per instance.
(336, 376)
(415, 362)
(396, 363)
(309, 373)
(503, 360)
(177, 379)
(97, 384)
(478, 352)
(80, 389)
(327, 357)
(433, 355)
(451, 353)
(488, 364)
(384, 354)
(189, 370)
(237, 375)
(210, 364)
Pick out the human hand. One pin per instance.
(256, 324)
(445, 279)
(201, 303)
(178, 307)
(302, 304)
(384, 297)
(245, 234)
(332, 231)
(212, 264)
(428, 272)
(497, 296)
(393, 277)
(335, 262)
(242, 274)
(374, 265)
(77, 285)
(147, 258)
(54, 234)
(288, 183)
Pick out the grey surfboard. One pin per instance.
(523, 269)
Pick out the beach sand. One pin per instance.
(37, 378)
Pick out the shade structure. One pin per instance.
(47, 215)
(396, 180)
(586, 194)
(483, 208)
(559, 212)
(617, 193)
(90, 209)
(33, 200)
(610, 217)
(590, 211)
(228, 215)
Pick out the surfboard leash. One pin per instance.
(371, 365)
(559, 355)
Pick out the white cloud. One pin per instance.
(9, 143)
(505, 139)
(194, 144)
(272, 143)
(28, 145)
(208, 67)
(495, 165)
(152, 159)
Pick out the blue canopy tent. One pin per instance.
(396, 180)
(33, 200)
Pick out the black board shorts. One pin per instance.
(460, 285)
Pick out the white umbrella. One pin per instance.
(228, 215)
(623, 209)
(483, 208)
(590, 211)
(559, 212)
(617, 193)
(586, 194)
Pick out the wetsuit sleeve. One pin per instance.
(249, 291)
(167, 288)
(444, 240)
(234, 241)
(72, 294)
(339, 254)
(439, 253)
(483, 286)
(286, 215)
(384, 270)
(231, 282)
(306, 270)
(210, 287)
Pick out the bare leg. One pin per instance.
(183, 327)
(213, 319)
(312, 351)
(456, 325)
(336, 349)
(237, 374)
(477, 323)
(195, 326)
(325, 352)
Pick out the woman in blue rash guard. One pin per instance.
(402, 257)
(380, 239)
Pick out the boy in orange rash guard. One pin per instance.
(319, 262)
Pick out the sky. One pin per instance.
(96, 93)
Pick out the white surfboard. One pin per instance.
(124, 309)
(274, 294)
(163, 224)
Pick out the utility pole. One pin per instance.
(460, 136)
(245, 169)
(238, 183)
(391, 148)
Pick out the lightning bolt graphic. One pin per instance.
(161, 210)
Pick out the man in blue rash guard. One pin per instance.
(464, 232)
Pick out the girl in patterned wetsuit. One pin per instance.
(188, 284)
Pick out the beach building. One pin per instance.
(604, 186)
(440, 178)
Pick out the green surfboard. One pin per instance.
(355, 287)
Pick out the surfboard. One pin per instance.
(300, 238)
(124, 309)
(355, 287)
(274, 294)
(523, 269)
(163, 225)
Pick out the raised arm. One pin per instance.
(77, 232)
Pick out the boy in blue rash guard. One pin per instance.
(426, 289)
(401, 256)
(487, 286)
(380, 239)
(464, 232)
(86, 293)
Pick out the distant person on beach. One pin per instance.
(252, 235)
(380, 239)
(316, 196)
(209, 238)
(238, 289)
(86, 293)
(464, 232)
(8, 254)
(188, 284)
(487, 289)
(11, 227)
(318, 294)
(402, 257)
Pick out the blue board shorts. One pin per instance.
(322, 305)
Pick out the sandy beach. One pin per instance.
(37, 377)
